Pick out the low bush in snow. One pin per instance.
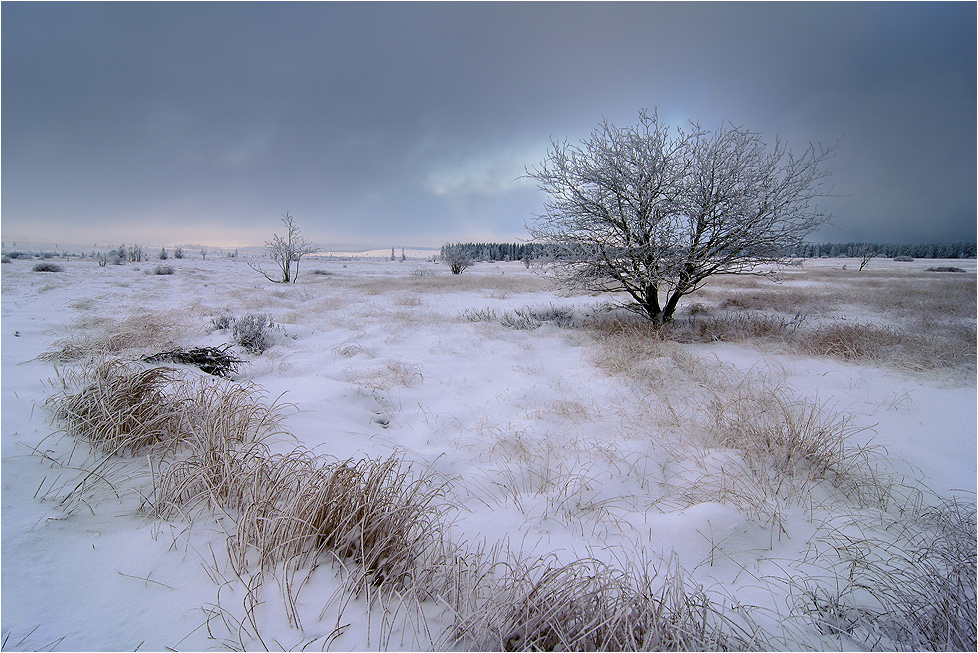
(253, 331)
(47, 267)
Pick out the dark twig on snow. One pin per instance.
(219, 361)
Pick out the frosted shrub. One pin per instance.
(161, 270)
(48, 267)
(222, 322)
(253, 331)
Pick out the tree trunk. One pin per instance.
(650, 304)
(670, 308)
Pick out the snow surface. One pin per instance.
(543, 449)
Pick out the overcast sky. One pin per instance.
(405, 124)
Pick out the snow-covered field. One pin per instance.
(761, 485)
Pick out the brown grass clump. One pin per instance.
(939, 347)
(291, 507)
(142, 331)
(124, 408)
(737, 327)
(852, 341)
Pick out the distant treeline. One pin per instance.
(497, 251)
(884, 250)
(532, 251)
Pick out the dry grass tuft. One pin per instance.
(912, 589)
(124, 408)
(736, 327)
(798, 439)
(142, 331)
(766, 452)
(589, 606)
(292, 507)
(938, 348)
(386, 375)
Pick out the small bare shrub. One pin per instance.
(457, 259)
(46, 266)
(162, 270)
(253, 331)
(222, 322)
(944, 268)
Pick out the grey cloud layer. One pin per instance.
(408, 122)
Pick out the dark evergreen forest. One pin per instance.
(533, 251)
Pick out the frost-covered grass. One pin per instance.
(477, 461)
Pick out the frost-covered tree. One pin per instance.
(654, 212)
(456, 257)
(286, 250)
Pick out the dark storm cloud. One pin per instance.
(408, 123)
